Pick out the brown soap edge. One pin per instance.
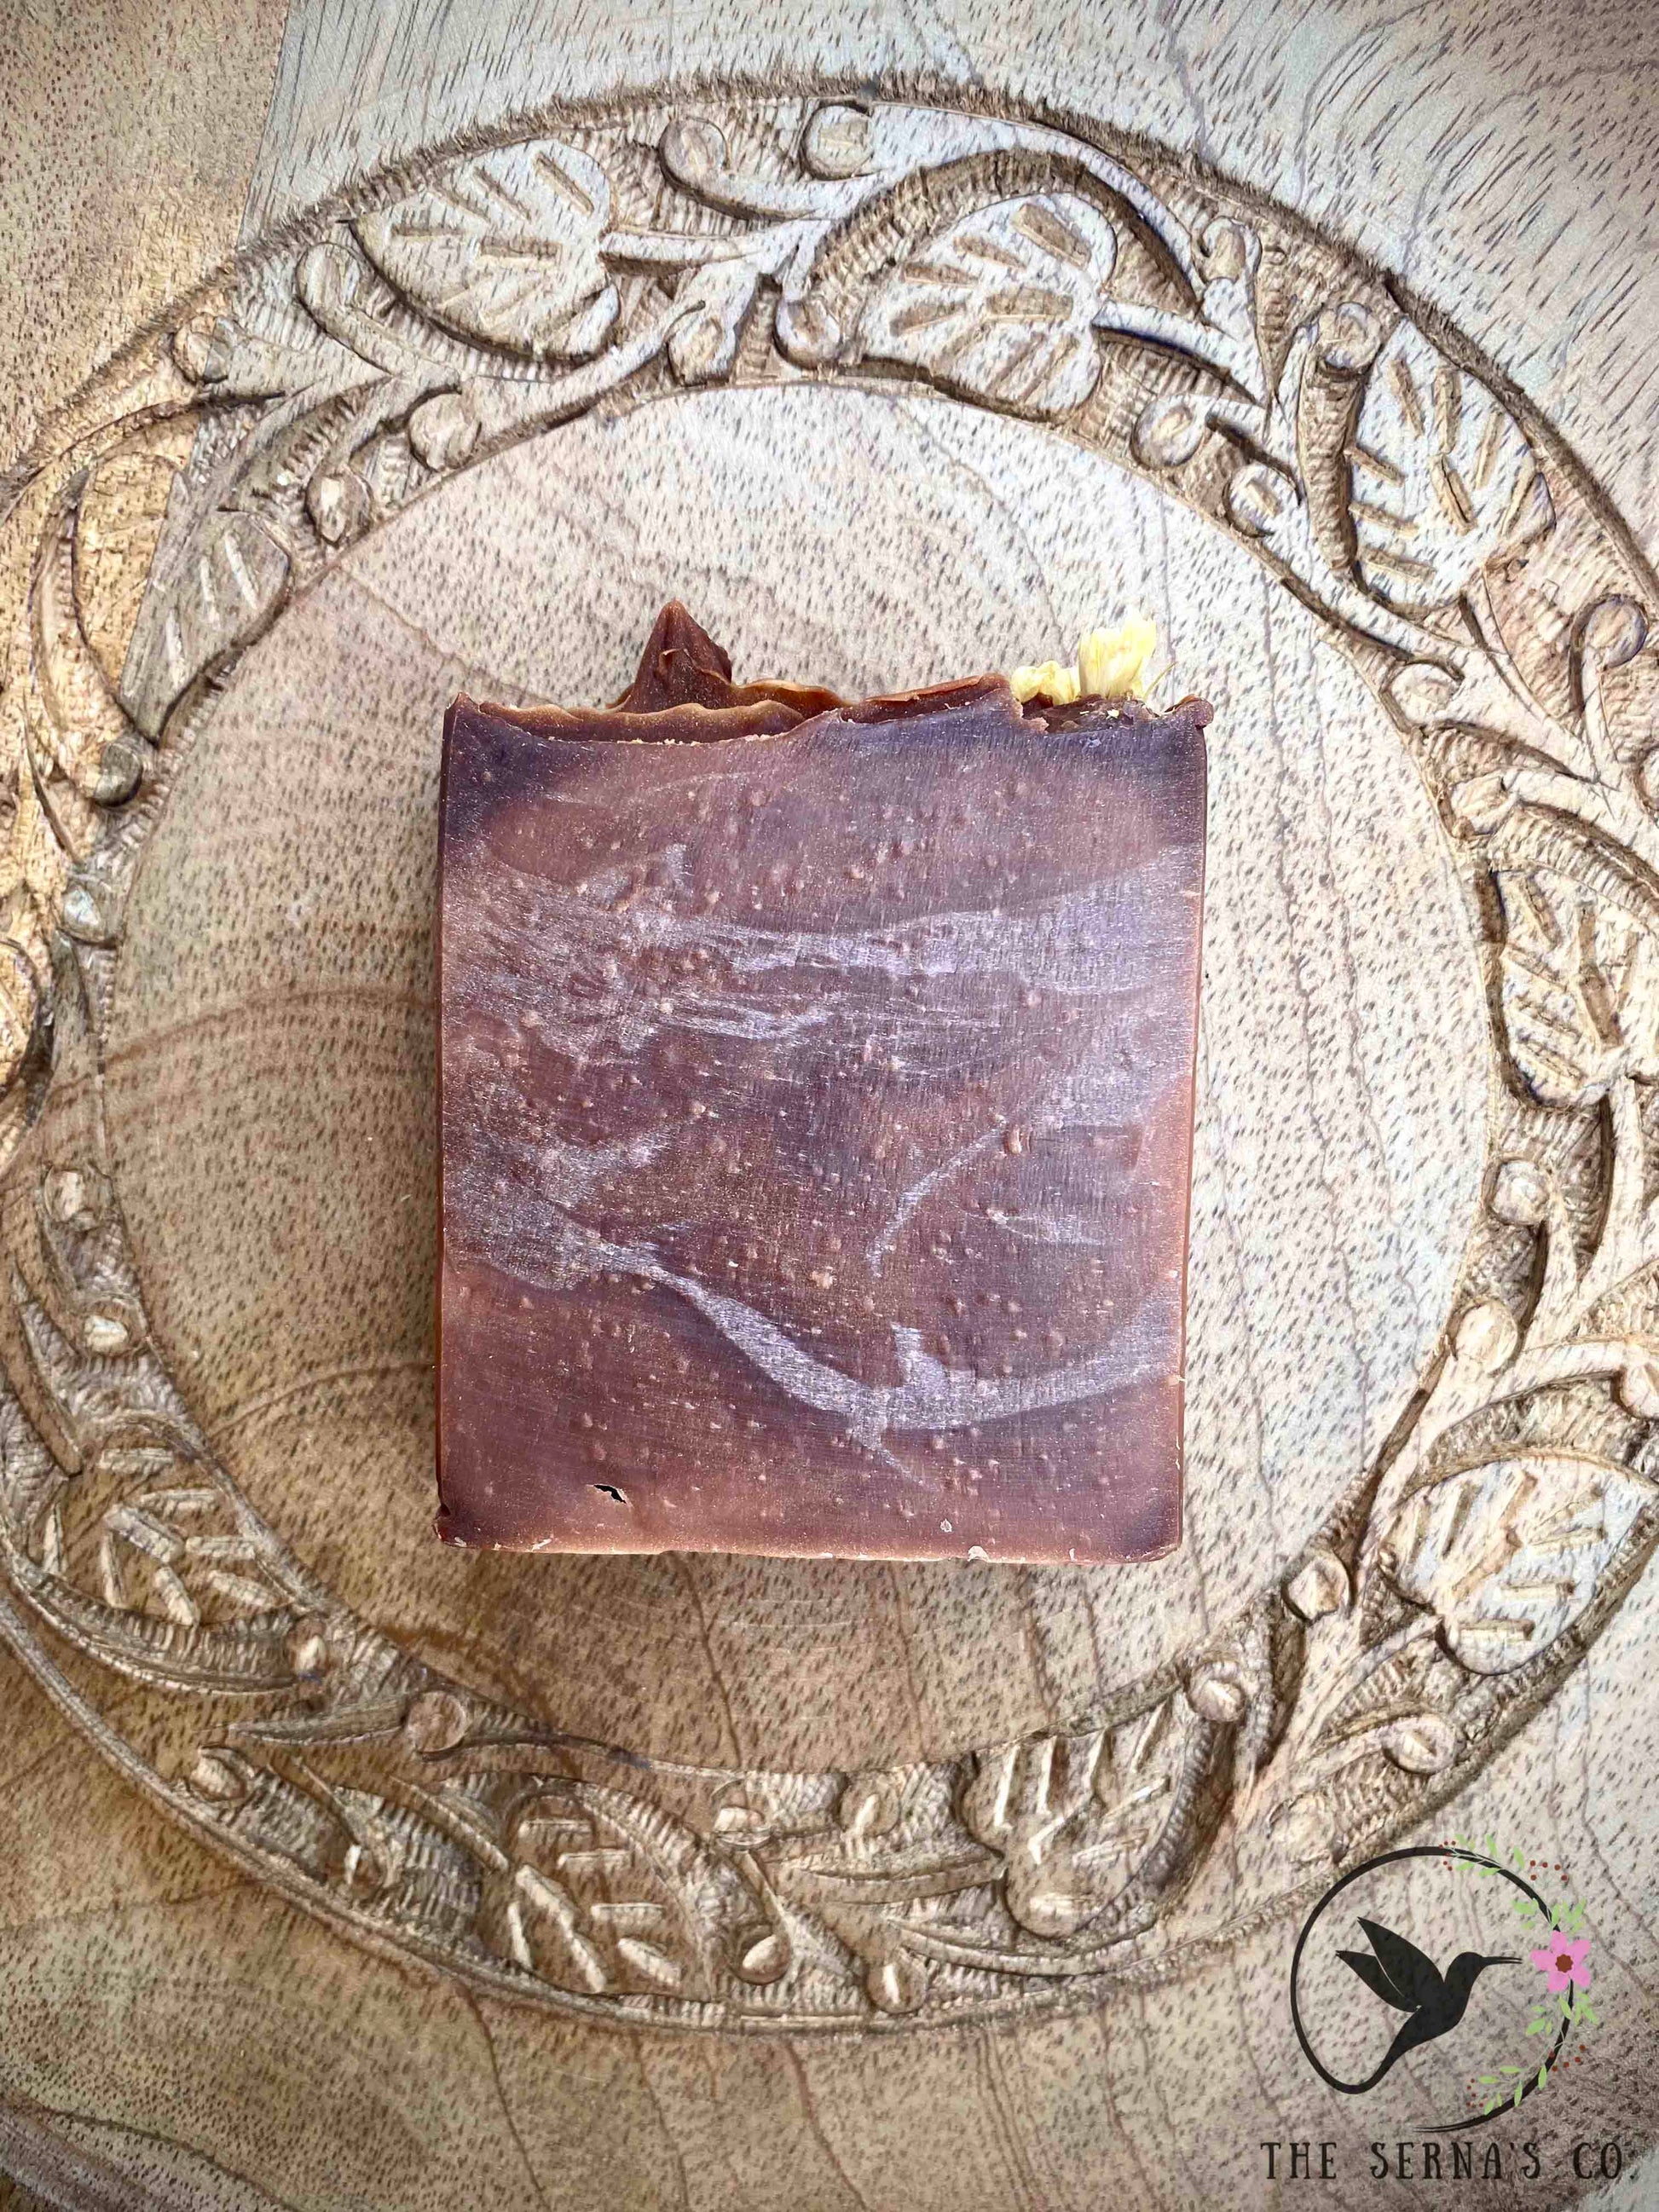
(682, 666)
(598, 1544)
(1199, 714)
(765, 711)
(689, 722)
(681, 691)
(459, 705)
(756, 710)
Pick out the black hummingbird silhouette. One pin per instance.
(1400, 1975)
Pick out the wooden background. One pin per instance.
(174, 2032)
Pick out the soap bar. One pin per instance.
(816, 1107)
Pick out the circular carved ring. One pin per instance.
(1451, 548)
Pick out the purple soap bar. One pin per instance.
(817, 1119)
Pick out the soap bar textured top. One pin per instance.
(817, 1119)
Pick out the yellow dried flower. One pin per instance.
(1110, 664)
(1047, 680)
(1116, 664)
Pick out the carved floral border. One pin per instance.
(1452, 549)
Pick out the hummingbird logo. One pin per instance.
(1403, 1976)
(1435, 2002)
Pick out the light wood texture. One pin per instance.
(756, 1651)
(164, 105)
(243, 1195)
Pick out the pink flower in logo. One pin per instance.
(1562, 1964)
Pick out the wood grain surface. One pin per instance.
(331, 733)
(167, 104)
(176, 2027)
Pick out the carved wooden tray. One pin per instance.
(885, 389)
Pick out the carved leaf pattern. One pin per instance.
(67, 748)
(610, 1892)
(1000, 303)
(423, 1876)
(1507, 1555)
(1580, 989)
(1443, 478)
(174, 1553)
(1073, 1816)
(505, 247)
(118, 524)
(80, 731)
(141, 1541)
(226, 595)
(247, 1654)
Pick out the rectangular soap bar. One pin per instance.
(817, 1119)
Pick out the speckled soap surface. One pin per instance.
(817, 1119)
